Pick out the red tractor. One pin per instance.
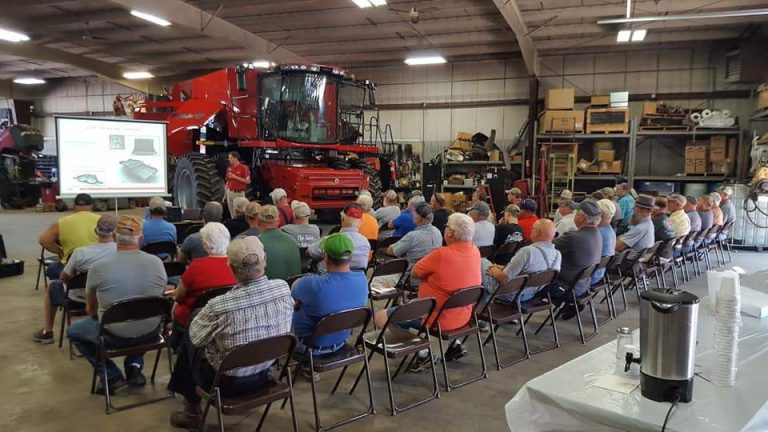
(299, 127)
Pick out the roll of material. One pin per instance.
(706, 114)
(695, 189)
(725, 113)
(695, 117)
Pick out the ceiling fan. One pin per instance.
(88, 36)
(414, 14)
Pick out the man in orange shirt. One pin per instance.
(527, 218)
(442, 272)
(238, 179)
(369, 228)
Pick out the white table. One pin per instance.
(564, 399)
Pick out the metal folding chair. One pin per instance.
(43, 262)
(583, 278)
(392, 267)
(498, 313)
(167, 248)
(72, 308)
(540, 303)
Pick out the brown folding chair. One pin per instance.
(383, 246)
(487, 251)
(680, 261)
(462, 298)
(210, 294)
(43, 262)
(584, 277)
(373, 262)
(275, 348)
(125, 311)
(335, 230)
(615, 280)
(292, 279)
(709, 244)
(508, 249)
(392, 267)
(723, 243)
(193, 229)
(498, 313)
(393, 342)
(346, 356)
(174, 268)
(539, 303)
(72, 308)
(306, 258)
(604, 287)
(167, 248)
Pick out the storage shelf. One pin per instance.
(477, 163)
(449, 186)
(581, 136)
(606, 177)
(688, 133)
(711, 178)
(762, 115)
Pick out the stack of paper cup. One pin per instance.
(727, 322)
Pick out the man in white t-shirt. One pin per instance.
(485, 231)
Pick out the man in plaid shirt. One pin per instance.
(256, 308)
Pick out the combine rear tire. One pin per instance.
(196, 181)
(374, 182)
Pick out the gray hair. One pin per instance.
(366, 202)
(212, 212)
(413, 202)
(215, 238)
(239, 204)
(679, 199)
(592, 220)
(463, 226)
(127, 239)
(715, 198)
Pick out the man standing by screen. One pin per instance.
(238, 179)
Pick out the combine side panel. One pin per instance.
(319, 186)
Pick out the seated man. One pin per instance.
(444, 271)
(387, 213)
(280, 201)
(539, 256)
(485, 231)
(238, 223)
(369, 228)
(677, 215)
(252, 217)
(129, 273)
(351, 218)
(507, 231)
(204, 273)
(286, 258)
(608, 235)
(563, 206)
(403, 224)
(441, 211)
(70, 233)
(301, 230)
(319, 295)
(156, 228)
(528, 209)
(514, 196)
(79, 262)
(640, 235)
(663, 229)
(257, 308)
(192, 247)
(567, 212)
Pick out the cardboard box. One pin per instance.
(603, 145)
(701, 166)
(494, 156)
(610, 167)
(616, 166)
(720, 167)
(718, 148)
(562, 121)
(619, 99)
(690, 152)
(600, 101)
(606, 155)
(560, 99)
(762, 99)
(583, 165)
(650, 108)
(700, 152)
(690, 166)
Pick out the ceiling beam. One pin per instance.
(566, 30)
(190, 18)
(511, 13)
(652, 38)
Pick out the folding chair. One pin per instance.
(305, 258)
(383, 246)
(462, 298)
(541, 281)
(692, 254)
(487, 251)
(174, 268)
(346, 356)
(167, 248)
(615, 280)
(43, 262)
(507, 250)
(72, 308)
(209, 295)
(687, 242)
(193, 229)
(372, 262)
(498, 313)
(604, 287)
(125, 311)
(583, 278)
(253, 353)
(292, 279)
(722, 243)
(335, 230)
(392, 267)
(663, 260)
(709, 244)
(393, 342)
(642, 268)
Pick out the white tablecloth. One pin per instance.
(564, 399)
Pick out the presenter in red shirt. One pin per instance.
(238, 179)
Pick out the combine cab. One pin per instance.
(299, 127)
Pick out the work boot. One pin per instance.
(134, 376)
(188, 419)
(43, 336)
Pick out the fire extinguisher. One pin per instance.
(392, 172)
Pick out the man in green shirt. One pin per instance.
(283, 257)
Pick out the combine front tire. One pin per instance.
(374, 181)
(196, 181)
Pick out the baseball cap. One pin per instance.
(129, 225)
(607, 207)
(529, 205)
(212, 211)
(157, 203)
(608, 191)
(566, 194)
(83, 199)
(482, 208)
(390, 194)
(278, 193)
(423, 210)
(245, 252)
(590, 208)
(514, 191)
(691, 199)
(252, 210)
(512, 209)
(301, 209)
(353, 210)
(364, 192)
(269, 214)
(338, 247)
(726, 190)
(106, 225)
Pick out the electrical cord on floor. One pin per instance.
(671, 407)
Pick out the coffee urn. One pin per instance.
(668, 320)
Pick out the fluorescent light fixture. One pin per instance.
(262, 64)
(415, 61)
(369, 3)
(687, 17)
(151, 18)
(12, 36)
(623, 36)
(137, 75)
(639, 35)
(29, 81)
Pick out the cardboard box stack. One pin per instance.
(559, 115)
(696, 157)
(718, 155)
(762, 97)
(462, 142)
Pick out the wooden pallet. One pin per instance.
(664, 127)
(607, 129)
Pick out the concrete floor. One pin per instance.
(44, 391)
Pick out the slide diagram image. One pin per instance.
(117, 142)
(138, 170)
(91, 179)
(144, 147)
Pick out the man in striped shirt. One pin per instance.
(256, 308)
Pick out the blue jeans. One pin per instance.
(84, 335)
(54, 270)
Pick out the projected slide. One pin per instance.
(111, 158)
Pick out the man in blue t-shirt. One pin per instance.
(404, 223)
(157, 229)
(319, 295)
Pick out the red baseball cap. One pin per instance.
(353, 210)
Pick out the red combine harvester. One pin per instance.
(299, 127)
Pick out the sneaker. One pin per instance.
(455, 352)
(134, 376)
(43, 337)
(114, 386)
(422, 363)
(484, 326)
